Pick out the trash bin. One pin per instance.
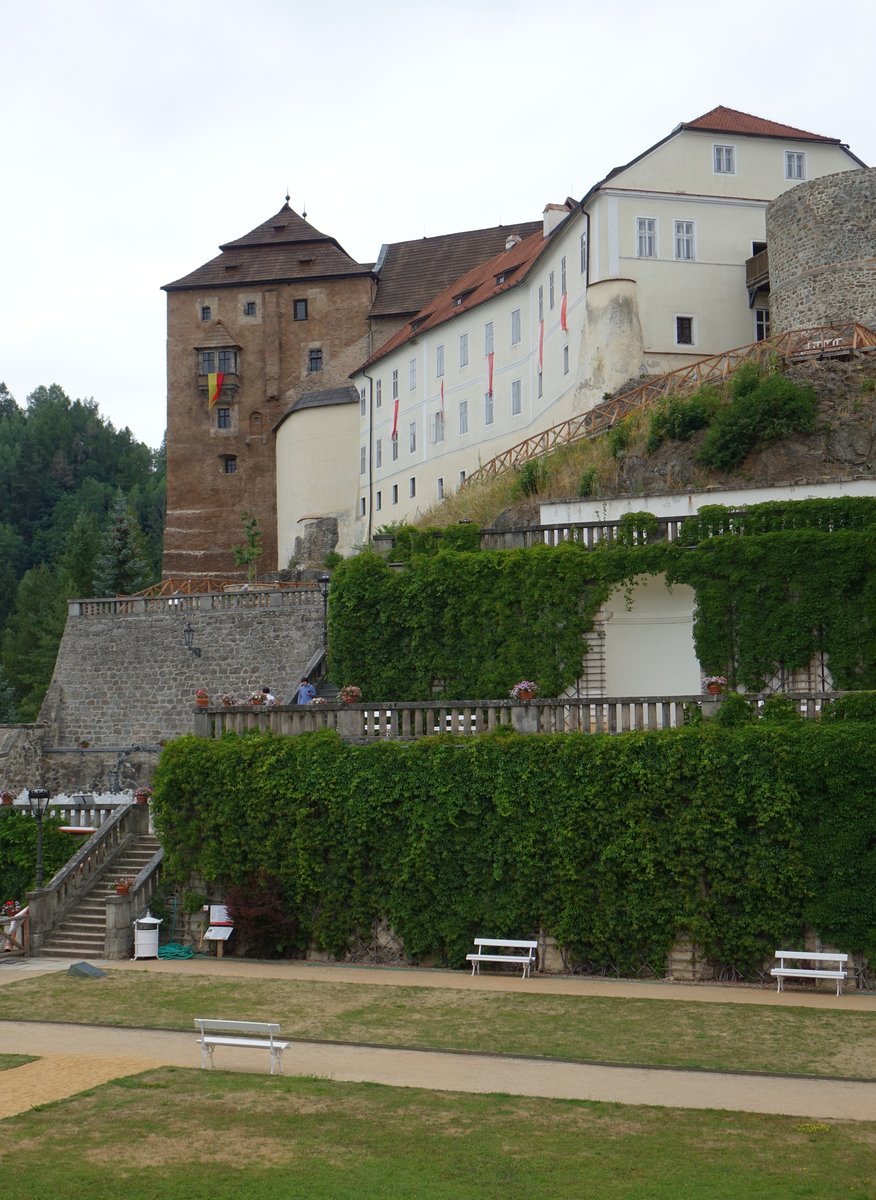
(146, 936)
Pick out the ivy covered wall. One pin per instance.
(740, 836)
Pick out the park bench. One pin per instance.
(259, 1035)
(525, 960)
(783, 971)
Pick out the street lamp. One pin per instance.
(189, 639)
(323, 582)
(38, 799)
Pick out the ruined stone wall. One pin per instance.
(822, 252)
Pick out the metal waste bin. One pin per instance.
(146, 936)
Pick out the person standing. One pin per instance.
(306, 691)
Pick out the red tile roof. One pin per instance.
(729, 120)
(499, 274)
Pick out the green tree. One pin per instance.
(32, 637)
(250, 552)
(78, 563)
(120, 568)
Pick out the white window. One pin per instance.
(795, 164)
(684, 241)
(646, 237)
(551, 290)
(395, 449)
(378, 453)
(488, 338)
(684, 331)
(461, 478)
(412, 436)
(516, 398)
(761, 324)
(563, 276)
(541, 302)
(515, 327)
(440, 487)
(439, 362)
(362, 460)
(463, 416)
(582, 251)
(361, 506)
(438, 427)
(488, 408)
(540, 384)
(378, 501)
(362, 403)
(412, 373)
(463, 349)
(395, 493)
(412, 486)
(724, 160)
(395, 384)
(565, 360)
(378, 393)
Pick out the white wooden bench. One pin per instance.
(525, 960)
(783, 971)
(259, 1035)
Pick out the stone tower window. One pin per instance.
(206, 312)
(299, 310)
(223, 418)
(229, 464)
(314, 359)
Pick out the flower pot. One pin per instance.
(526, 695)
(714, 689)
(202, 701)
(122, 889)
(6, 798)
(141, 797)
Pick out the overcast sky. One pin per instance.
(136, 138)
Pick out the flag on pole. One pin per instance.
(490, 358)
(394, 434)
(564, 324)
(214, 388)
(540, 345)
(442, 399)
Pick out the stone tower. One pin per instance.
(281, 312)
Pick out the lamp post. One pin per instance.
(323, 582)
(38, 799)
(189, 639)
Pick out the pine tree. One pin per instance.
(120, 569)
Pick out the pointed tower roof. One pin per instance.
(283, 248)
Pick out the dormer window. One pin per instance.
(460, 298)
(223, 361)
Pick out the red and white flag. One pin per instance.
(540, 345)
(490, 358)
(564, 324)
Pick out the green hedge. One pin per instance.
(614, 845)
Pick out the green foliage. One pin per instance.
(614, 845)
(530, 477)
(618, 438)
(636, 528)
(250, 552)
(677, 419)
(120, 567)
(779, 710)
(410, 541)
(734, 710)
(587, 482)
(32, 636)
(18, 846)
(757, 415)
(858, 706)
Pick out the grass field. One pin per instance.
(185, 1135)
(783, 1040)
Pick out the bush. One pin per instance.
(618, 438)
(734, 710)
(857, 706)
(774, 409)
(677, 419)
(779, 710)
(530, 477)
(587, 482)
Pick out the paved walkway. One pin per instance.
(75, 1057)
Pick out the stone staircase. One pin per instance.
(82, 934)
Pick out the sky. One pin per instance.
(136, 138)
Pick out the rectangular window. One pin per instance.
(395, 449)
(540, 384)
(223, 418)
(249, 308)
(463, 349)
(438, 426)
(684, 332)
(412, 486)
(378, 393)
(488, 408)
(412, 436)
(230, 464)
(314, 359)
(463, 416)
(412, 373)
(206, 362)
(795, 164)
(761, 324)
(228, 362)
(299, 310)
(551, 290)
(395, 493)
(206, 312)
(516, 398)
(646, 237)
(515, 327)
(684, 241)
(440, 487)
(362, 458)
(724, 160)
(541, 302)
(361, 506)
(563, 276)
(582, 252)
(395, 384)
(439, 361)
(488, 338)
(565, 360)
(461, 478)
(378, 453)
(378, 501)
(362, 403)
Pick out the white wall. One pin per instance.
(649, 649)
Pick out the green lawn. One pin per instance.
(753, 1037)
(187, 1135)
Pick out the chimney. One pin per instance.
(553, 215)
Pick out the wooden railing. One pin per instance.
(757, 270)
(792, 345)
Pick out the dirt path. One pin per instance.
(75, 1057)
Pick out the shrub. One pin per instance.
(677, 419)
(857, 706)
(775, 408)
(587, 482)
(618, 438)
(735, 710)
(530, 477)
(779, 710)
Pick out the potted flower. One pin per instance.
(202, 698)
(6, 797)
(225, 700)
(255, 698)
(124, 884)
(526, 689)
(142, 794)
(714, 684)
(317, 700)
(350, 694)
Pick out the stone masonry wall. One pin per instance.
(822, 250)
(124, 676)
